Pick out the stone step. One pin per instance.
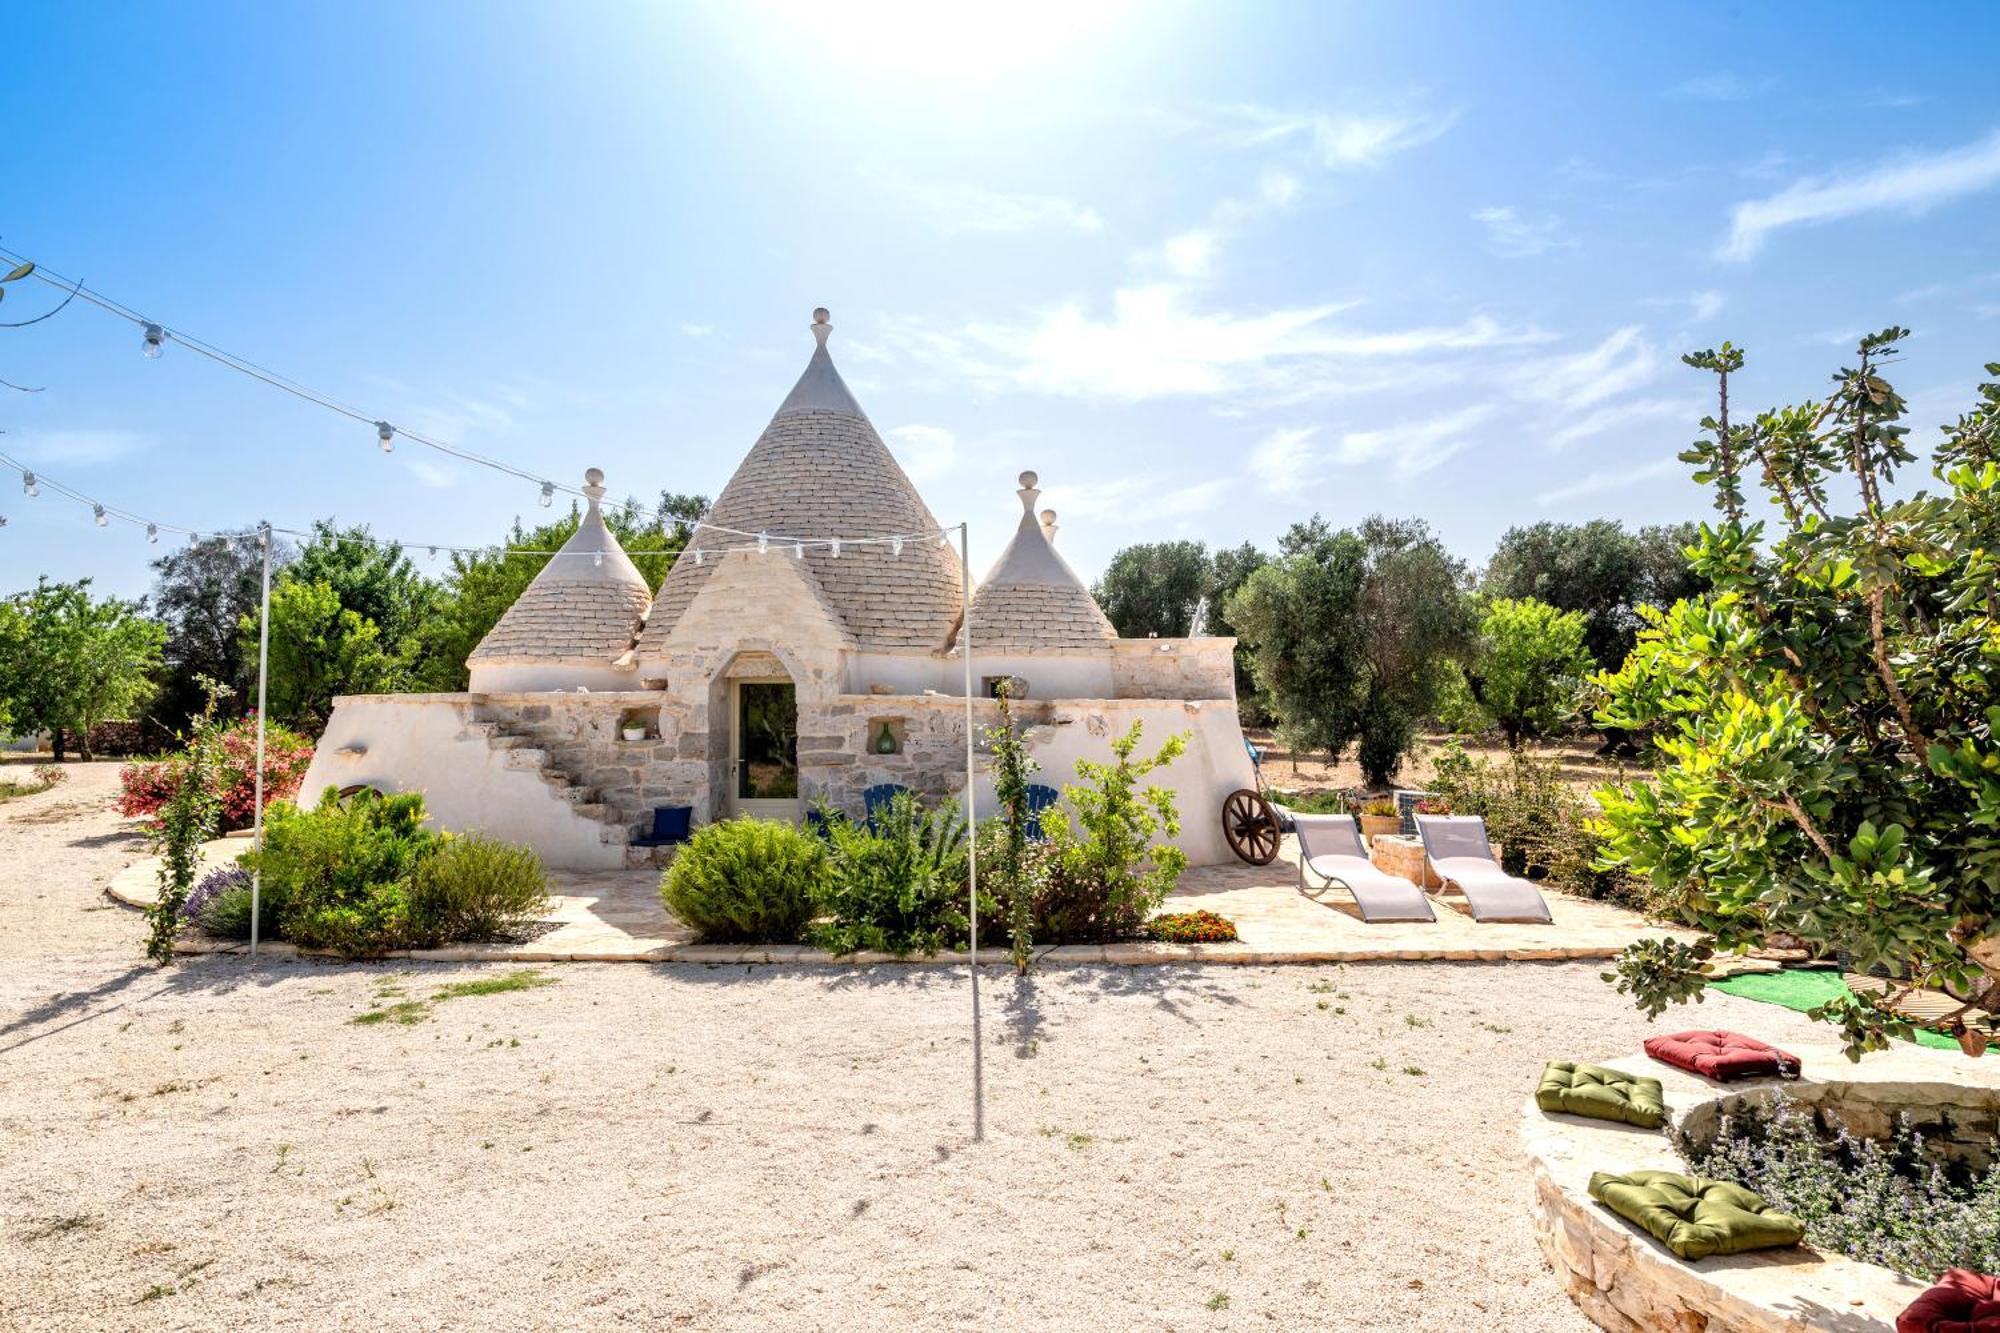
(601, 813)
(482, 730)
(639, 858)
(525, 758)
(577, 795)
(509, 741)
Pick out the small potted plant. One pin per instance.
(1379, 818)
(634, 731)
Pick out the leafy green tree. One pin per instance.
(1351, 635)
(69, 661)
(1827, 744)
(1530, 667)
(482, 585)
(1229, 569)
(1599, 569)
(1155, 588)
(201, 594)
(374, 579)
(319, 649)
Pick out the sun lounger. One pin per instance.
(1330, 849)
(1460, 853)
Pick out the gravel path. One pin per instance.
(223, 1145)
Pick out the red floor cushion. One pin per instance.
(1961, 1302)
(1722, 1055)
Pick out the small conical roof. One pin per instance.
(584, 606)
(1032, 600)
(818, 472)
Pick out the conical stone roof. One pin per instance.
(820, 471)
(1031, 600)
(584, 606)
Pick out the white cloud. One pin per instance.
(697, 330)
(1723, 87)
(924, 451)
(1136, 500)
(1704, 306)
(79, 448)
(1191, 255)
(1154, 343)
(1512, 236)
(1910, 184)
(1340, 140)
(1282, 458)
(968, 208)
(1620, 363)
(1597, 483)
(1606, 419)
(432, 474)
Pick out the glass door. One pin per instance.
(764, 749)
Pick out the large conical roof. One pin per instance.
(819, 471)
(584, 606)
(1031, 600)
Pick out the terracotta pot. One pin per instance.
(1381, 826)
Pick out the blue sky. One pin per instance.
(1208, 269)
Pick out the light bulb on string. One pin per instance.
(548, 494)
(194, 540)
(28, 487)
(833, 548)
(697, 555)
(3, 520)
(155, 342)
(763, 543)
(597, 559)
(434, 552)
(799, 551)
(896, 547)
(385, 435)
(103, 519)
(152, 534)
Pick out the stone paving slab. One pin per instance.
(616, 916)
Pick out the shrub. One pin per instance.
(338, 875)
(1543, 824)
(216, 882)
(473, 887)
(49, 775)
(749, 880)
(1314, 802)
(898, 886)
(1096, 874)
(1530, 668)
(1201, 927)
(1378, 807)
(1892, 1203)
(149, 784)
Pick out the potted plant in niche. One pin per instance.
(633, 729)
(1378, 817)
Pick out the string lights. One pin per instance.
(155, 336)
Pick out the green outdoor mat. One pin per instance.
(1804, 988)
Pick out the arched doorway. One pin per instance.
(763, 713)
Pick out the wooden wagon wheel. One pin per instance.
(1251, 827)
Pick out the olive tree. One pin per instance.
(1829, 760)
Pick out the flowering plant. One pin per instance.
(148, 785)
(1201, 927)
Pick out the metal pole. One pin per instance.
(263, 673)
(972, 824)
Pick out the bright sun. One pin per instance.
(946, 41)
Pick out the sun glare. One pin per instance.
(936, 41)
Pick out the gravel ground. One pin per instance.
(224, 1145)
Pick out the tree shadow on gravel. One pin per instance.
(117, 838)
(210, 975)
(1168, 985)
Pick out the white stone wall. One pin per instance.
(520, 677)
(420, 742)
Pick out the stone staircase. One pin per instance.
(528, 754)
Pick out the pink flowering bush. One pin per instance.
(148, 784)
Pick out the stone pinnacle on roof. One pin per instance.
(584, 606)
(1031, 599)
(819, 472)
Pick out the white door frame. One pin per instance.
(787, 809)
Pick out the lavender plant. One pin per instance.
(1890, 1202)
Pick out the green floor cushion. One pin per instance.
(1695, 1217)
(1601, 1094)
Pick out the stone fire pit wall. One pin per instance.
(1627, 1282)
